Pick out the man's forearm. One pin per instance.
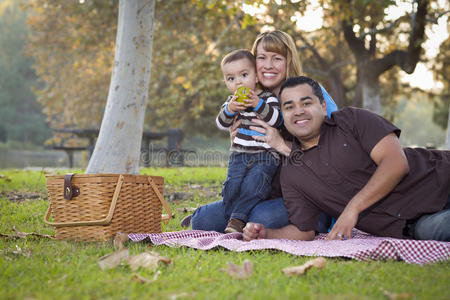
(290, 232)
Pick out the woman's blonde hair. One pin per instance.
(282, 43)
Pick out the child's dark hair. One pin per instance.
(294, 81)
(237, 55)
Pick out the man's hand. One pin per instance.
(234, 106)
(342, 229)
(253, 231)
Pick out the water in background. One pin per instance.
(59, 159)
(26, 158)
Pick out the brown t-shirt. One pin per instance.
(327, 176)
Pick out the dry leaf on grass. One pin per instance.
(119, 240)
(394, 296)
(5, 177)
(141, 279)
(300, 270)
(23, 235)
(147, 260)
(114, 259)
(18, 251)
(240, 272)
(186, 209)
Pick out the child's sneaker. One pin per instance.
(235, 225)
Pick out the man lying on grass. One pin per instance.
(352, 167)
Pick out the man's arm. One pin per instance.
(392, 166)
(254, 231)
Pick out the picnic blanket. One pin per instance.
(361, 247)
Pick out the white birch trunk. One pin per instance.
(118, 145)
(447, 142)
(371, 98)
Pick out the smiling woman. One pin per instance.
(276, 59)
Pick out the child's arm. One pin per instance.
(268, 111)
(227, 113)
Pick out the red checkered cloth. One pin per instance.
(361, 246)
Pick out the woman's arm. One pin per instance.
(272, 137)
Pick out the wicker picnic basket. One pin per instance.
(94, 207)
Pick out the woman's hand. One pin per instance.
(271, 137)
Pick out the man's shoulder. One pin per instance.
(351, 111)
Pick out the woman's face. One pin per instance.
(270, 69)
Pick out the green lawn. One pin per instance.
(40, 268)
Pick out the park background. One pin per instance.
(56, 61)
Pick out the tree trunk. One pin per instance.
(447, 143)
(371, 98)
(118, 145)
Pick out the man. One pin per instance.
(353, 168)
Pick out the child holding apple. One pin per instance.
(252, 163)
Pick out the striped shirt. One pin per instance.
(268, 109)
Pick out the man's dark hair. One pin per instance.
(294, 81)
(237, 55)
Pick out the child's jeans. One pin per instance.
(249, 181)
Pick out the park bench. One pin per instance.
(174, 154)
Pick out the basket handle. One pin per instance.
(104, 221)
(164, 217)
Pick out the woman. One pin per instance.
(276, 59)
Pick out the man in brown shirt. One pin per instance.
(353, 168)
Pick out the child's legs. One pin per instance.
(232, 185)
(256, 185)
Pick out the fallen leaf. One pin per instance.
(141, 279)
(147, 260)
(240, 272)
(186, 209)
(393, 296)
(300, 270)
(18, 251)
(114, 259)
(24, 235)
(5, 177)
(176, 296)
(119, 240)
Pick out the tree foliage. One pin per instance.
(21, 118)
(358, 43)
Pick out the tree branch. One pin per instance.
(374, 31)
(316, 54)
(406, 60)
(356, 45)
(434, 20)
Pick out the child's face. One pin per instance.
(239, 73)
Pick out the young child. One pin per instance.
(252, 165)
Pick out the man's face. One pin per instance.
(303, 113)
(239, 73)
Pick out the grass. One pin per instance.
(38, 268)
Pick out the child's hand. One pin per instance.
(234, 106)
(253, 101)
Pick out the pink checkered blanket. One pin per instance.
(361, 247)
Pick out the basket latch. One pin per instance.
(70, 190)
